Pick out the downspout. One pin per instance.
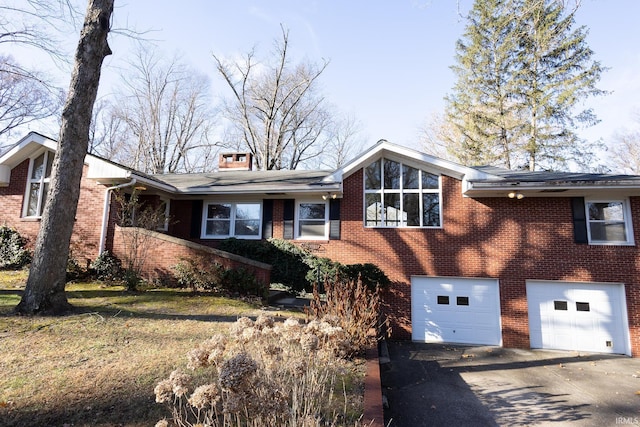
(106, 209)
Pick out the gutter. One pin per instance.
(106, 209)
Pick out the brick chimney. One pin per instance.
(235, 161)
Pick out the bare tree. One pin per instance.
(164, 108)
(24, 96)
(275, 108)
(624, 150)
(44, 291)
(344, 141)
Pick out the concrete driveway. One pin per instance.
(449, 385)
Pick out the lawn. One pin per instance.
(99, 365)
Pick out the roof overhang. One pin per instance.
(478, 189)
(410, 157)
(22, 150)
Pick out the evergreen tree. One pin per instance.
(555, 72)
(522, 70)
(481, 112)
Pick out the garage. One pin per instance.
(455, 310)
(589, 317)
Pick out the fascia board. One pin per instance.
(398, 152)
(25, 148)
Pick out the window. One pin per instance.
(398, 195)
(608, 222)
(312, 220)
(560, 305)
(165, 208)
(38, 184)
(462, 300)
(582, 306)
(443, 299)
(241, 220)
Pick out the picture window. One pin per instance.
(399, 195)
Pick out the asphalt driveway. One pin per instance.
(449, 385)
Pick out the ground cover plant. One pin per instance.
(99, 365)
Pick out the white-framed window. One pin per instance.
(399, 195)
(312, 220)
(609, 222)
(38, 184)
(232, 219)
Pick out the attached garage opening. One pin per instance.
(455, 310)
(578, 316)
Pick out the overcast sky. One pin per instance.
(389, 60)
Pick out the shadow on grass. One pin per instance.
(118, 303)
(128, 405)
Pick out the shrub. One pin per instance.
(13, 251)
(322, 270)
(370, 275)
(189, 274)
(353, 307)
(288, 261)
(74, 270)
(202, 274)
(107, 267)
(265, 373)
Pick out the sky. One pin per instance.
(389, 59)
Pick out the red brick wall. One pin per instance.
(161, 253)
(86, 232)
(511, 240)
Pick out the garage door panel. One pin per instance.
(577, 316)
(456, 310)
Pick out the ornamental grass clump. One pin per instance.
(265, 373)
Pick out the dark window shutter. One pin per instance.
(334, 219)
(267, 219)
(287, 217)
(579, 220)
(196, 219)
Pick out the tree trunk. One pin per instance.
(44, 292)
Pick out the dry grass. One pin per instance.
(99, 365)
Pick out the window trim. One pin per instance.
(296, 232)
(401, 191)
(44, 180)
(626, 216)
(232, 219)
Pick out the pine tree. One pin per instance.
(481, 111)
(555, 73)
(522, 70)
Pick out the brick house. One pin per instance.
(476, 255)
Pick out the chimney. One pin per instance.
(235, 162)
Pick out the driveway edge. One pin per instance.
(373, 415)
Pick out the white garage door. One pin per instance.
(455, 310)
(578, 316)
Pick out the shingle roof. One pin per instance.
(506, 176)
(274, 181)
